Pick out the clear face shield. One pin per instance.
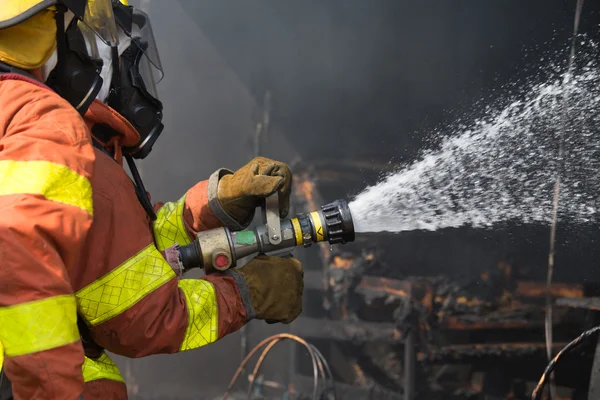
(132, 85)
(150, 67)
(99, 18)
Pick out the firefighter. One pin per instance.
(88, 264)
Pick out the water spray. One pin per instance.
(219, 249)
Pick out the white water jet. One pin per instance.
(502, 166)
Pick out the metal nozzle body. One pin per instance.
(219, 249)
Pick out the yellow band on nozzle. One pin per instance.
(297, 231)
(318, 224)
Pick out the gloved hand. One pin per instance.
(241, 193)
(275, 287)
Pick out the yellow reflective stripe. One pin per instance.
(38, 325)
(1, 356)
(120, 289)
(53, 181)
(101, 368)
(201, 301)
(169, 227)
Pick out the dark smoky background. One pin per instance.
(350, 80)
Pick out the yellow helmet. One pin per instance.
(28, 28)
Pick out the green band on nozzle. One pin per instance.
(245, 237)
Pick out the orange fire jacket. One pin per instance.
(74, 241)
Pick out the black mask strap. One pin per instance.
(114, 99)
(140, 190)
(105, 133)
(61, 41)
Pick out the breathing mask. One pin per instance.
(133, 82)
(76, 75)
(140, 71)
(75, 72)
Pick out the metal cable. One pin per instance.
(317, 366)
(258, 364)
(238, 372)
(277, 337)
(537, 392)
(319, 363)
(326, 365)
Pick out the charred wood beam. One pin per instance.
(465, 352)
(516, 315)
(522, 361)
(350, 331)
(374, 287)
(538, 289)
(588, 303)
(422, 291)
(475, 322)
(371, 287)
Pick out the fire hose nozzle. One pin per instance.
(219, 249)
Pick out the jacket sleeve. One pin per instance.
(147, 309)
(46, 162)
(198, 210)
(162, 313)
(165, 314)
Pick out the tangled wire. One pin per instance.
(539, 389)
(321, 369)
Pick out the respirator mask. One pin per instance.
(73, 71)
(133, 88)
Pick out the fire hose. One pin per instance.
(219, 249)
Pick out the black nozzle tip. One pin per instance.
(338, 222)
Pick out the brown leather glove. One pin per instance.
(241, 193)
(273, 288)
